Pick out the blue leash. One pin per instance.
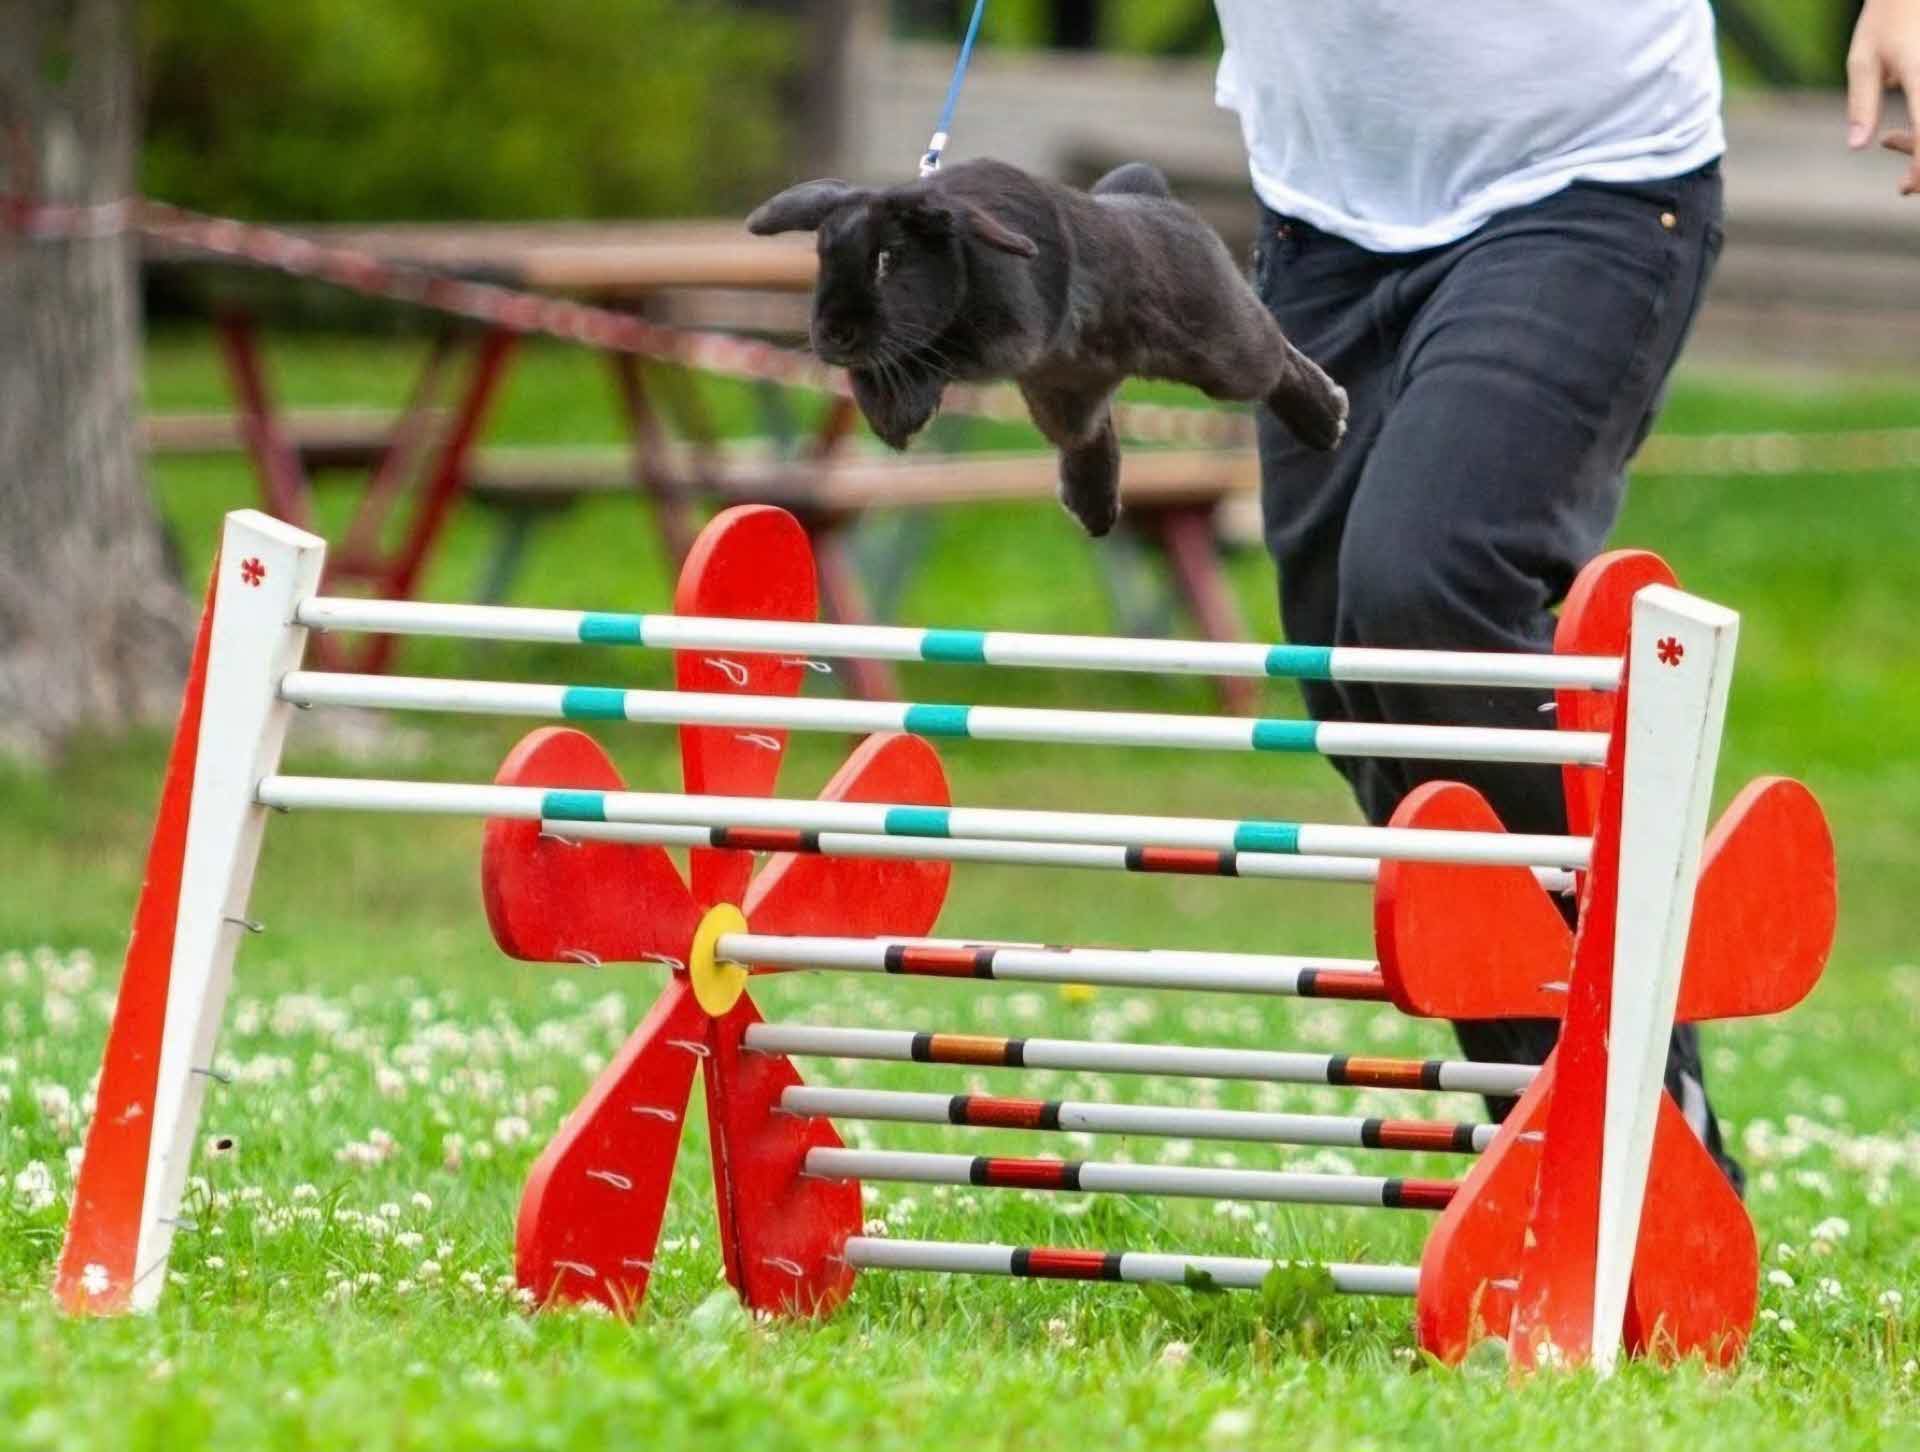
(930, 163)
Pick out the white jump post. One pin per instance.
(266, 569)
(1679, 674)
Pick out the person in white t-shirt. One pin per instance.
(1492, 224)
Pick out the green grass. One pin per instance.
(376, 1002)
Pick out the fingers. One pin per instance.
(1910, 84)
(1866, 81)
(1898, 141)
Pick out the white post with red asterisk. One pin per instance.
(1680, 672)
(191, 916)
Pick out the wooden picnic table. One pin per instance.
(427, 455)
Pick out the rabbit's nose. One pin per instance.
(836, 338)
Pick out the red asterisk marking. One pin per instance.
(1669, 650)
(252, 572)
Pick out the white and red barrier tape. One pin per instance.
(520, 311)
(731, 356)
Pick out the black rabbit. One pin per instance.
(983, 271)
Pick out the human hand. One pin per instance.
(1885, 53)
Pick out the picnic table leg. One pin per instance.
(673, 513)
(359, 553)
(843, 600)
(1186, 534)
(283, 481)
(444, 483)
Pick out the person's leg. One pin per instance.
(1534, 356)
(1327, 296)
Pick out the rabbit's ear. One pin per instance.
(803, 208)
(991, 230)
(947, 217)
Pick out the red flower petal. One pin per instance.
(751, 562)
(550, 900)
(860, 897)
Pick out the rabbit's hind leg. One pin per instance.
(1250, 359)
(1310, 404)
(1080, 424)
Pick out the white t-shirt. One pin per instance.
(1403, 124)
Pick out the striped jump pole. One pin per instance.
(995, 1172)
(1176, 861)
(986, 1051)
(1235, 1273)
(1487, 849)
(1355, 979)
(977, 723)
(1069, 1116)
(975, 647)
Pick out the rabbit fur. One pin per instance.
(984, 271)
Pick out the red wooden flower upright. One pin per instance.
(1474, 943)
(592, 1209)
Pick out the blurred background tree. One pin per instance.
(347, 110)
(92, 626)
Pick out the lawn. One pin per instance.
(348, 1280)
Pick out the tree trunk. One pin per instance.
(93, 628)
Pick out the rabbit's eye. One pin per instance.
(882, 263)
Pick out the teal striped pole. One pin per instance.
(973, 647)
(948, 722)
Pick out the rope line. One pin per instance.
(930, 163)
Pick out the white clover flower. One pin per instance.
(1230, 1427)
(409, 1240)
(876, 1228)
(1781, 1279)
(1175, 1353)
(216, 1263)
(389, 1210)
(34, 1186)
(304, 1192)
(56, 1103)
(1787, 1325)
(1829, 1287)
(1834, 1227)
(511, 1129)
(421, 1201)
(428, 1270)
(1891, 1299)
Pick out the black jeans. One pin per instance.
(1499, 385)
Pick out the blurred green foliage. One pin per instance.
(351, 110)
